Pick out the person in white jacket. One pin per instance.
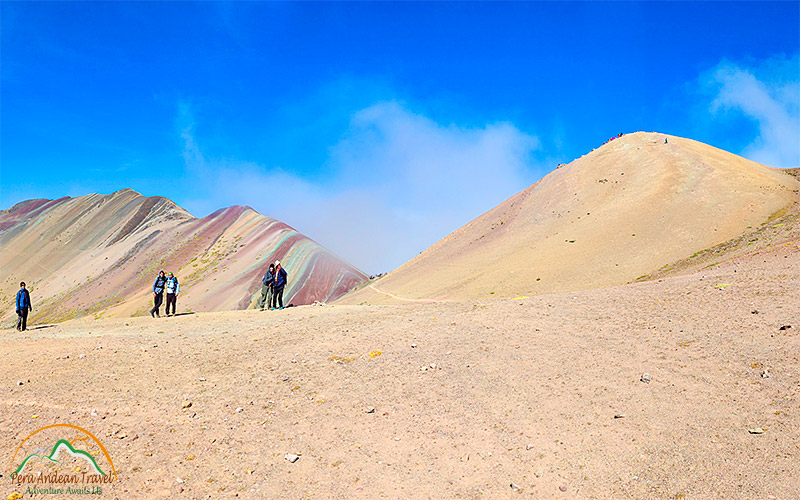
(173, 289)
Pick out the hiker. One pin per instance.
(278, 284)
(158, 293)
(23, 306)
(266, 287)
(173, 289)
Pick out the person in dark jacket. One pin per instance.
(23, 306)
(266, 287)
(158, 293)
(278, 284)
(173, 289)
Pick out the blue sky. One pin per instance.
(375, 128)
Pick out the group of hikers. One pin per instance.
(171, 286)
(273, 284)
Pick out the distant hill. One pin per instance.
(627, 209)
(99, 254)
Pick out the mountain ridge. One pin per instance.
(96, 253)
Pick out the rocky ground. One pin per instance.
(649, 390)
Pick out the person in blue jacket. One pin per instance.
(278, 284)
(266, 287)
(23, 306)
(173, 289)
(158, 293)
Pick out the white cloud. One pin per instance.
(400, 182)
(769, 94)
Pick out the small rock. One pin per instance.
(539, 473)
(756, 430)
(784, 327)
(291, 457)
(370, 410)
(202, 379)
(619, 415)
(81, 356)
(186, 404)
(433, 366)
(285, 379)
(93, 413)
(528, 446)
(562, 488)
(239, 410)
(646, 378)
(754, 311)
(19, 382)
(413, 346)
(765, 374)
(515, 487)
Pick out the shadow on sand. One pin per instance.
(183, 314)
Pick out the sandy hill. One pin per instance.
(628, 208)
(99, 254)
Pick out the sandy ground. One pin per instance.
(468, 397)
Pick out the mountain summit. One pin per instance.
(626, 209)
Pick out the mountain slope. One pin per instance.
(100, 254)
(624, 210)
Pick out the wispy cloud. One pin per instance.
(767, 93)
(399, 182)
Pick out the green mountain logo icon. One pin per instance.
(61, 446)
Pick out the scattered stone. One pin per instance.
(619, 415)
(539, 473)
(528, 446)
(81, 356)
(19, 382)
(93, 413)
(413, 346)
(370, 410)
(646, 378)
(765, 374)
(239, 410)
(515, 487)
(202, 379)
(754, 311)
(756, 430)
(186, 404)
(784, 327)
(285, 379)
(562, 488)
(433, 366)
(291, 457)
